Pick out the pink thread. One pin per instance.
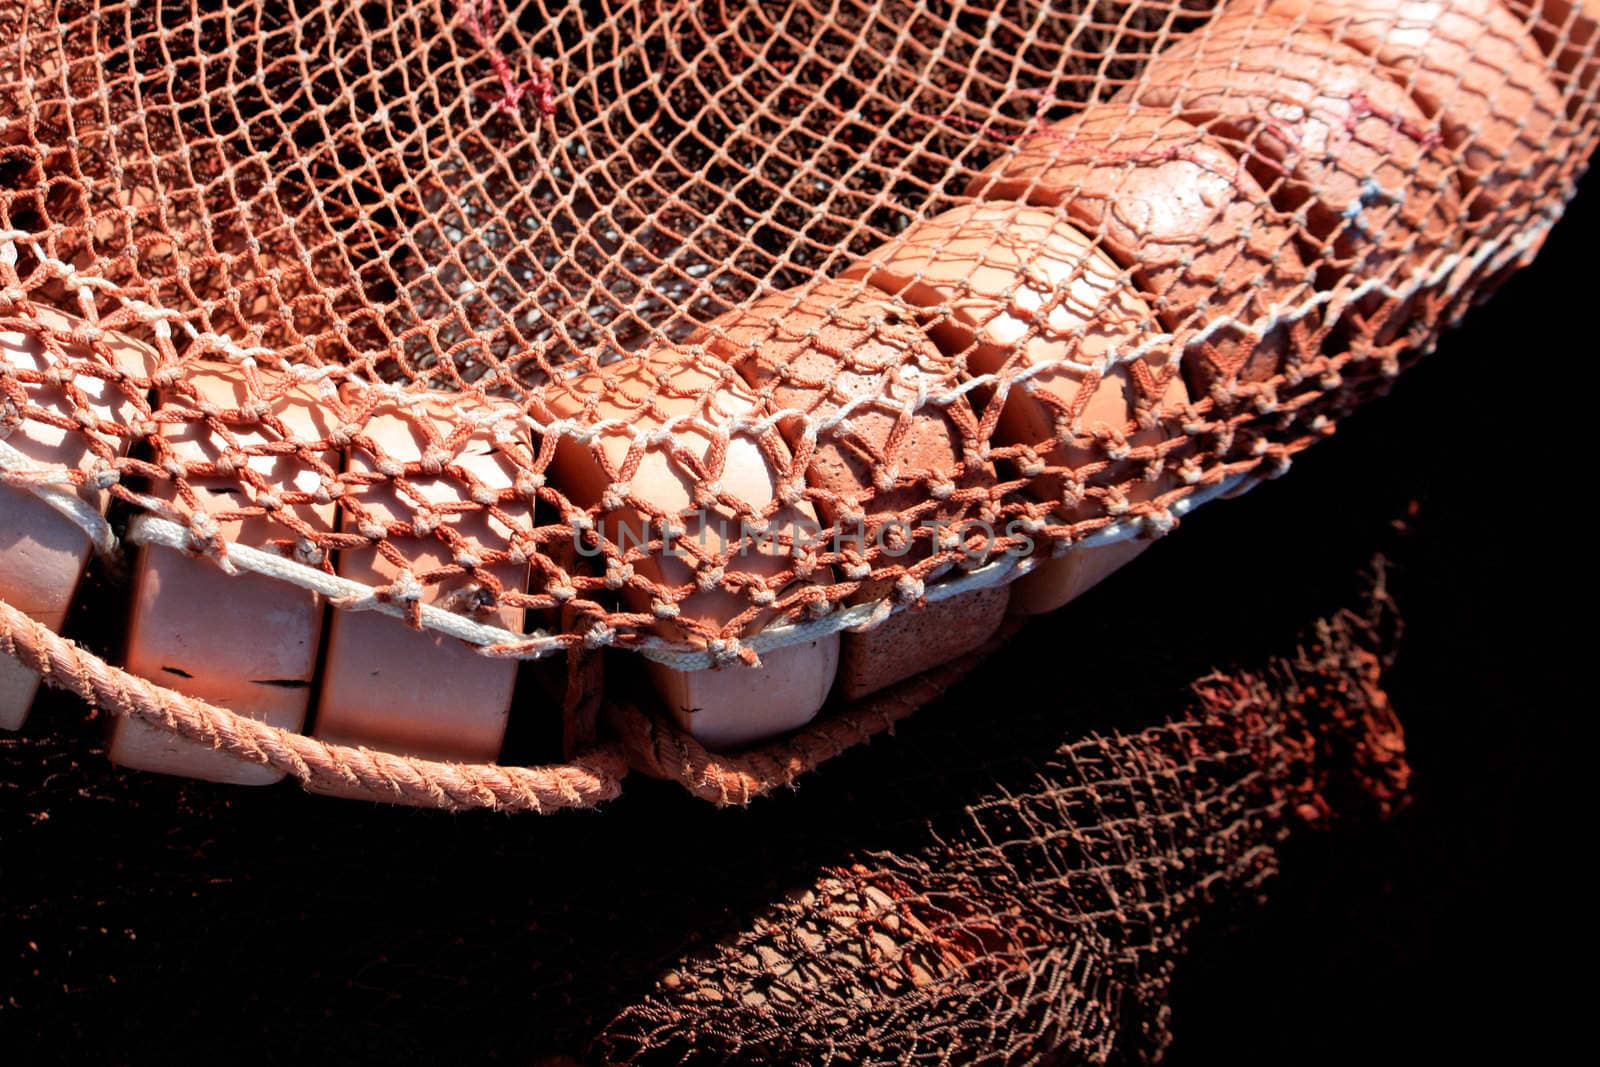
(481, 22)
(1361, 107)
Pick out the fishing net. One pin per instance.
(1039, 919)
(921, 261)
(981, 890)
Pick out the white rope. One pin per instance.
(46, 482)
(346, 594)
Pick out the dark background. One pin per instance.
(145, 919)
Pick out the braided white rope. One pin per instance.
(343, 593)
(46, 481)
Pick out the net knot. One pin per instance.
(203, 537)
(307, 551)
(952, 538)
(805, 563)
(84, 416)
(229, 461)
(728, 651)
(404, 592)
(618, 573)
(1072, 493)
(522, 548)
(909, 589)
(709, 579)
(103, 475)
(433, 460)
(1028, 524)
(791, 492)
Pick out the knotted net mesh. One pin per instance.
(457, 312)
(1037, 916)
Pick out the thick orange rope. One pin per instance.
(588, 780)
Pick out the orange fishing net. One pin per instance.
(913, 304)
(1036, 915)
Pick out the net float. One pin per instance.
(1010, 288)
(1478, 74)
(711, 501)
(1162, 199)
(1329, 139)
(833, 347)
(247, 642)
(66, 389)
(431, 494)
